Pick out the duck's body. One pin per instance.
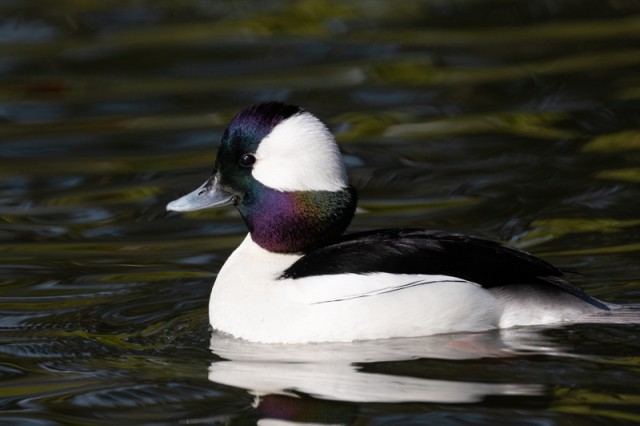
(296, 279)
(253, 299)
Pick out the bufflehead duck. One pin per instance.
(297, 279)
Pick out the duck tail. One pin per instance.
(628, 313)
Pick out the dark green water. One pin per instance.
(511, 120)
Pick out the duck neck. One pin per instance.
(298, 221)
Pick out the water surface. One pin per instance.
(517, 121)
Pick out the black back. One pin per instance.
(413, 251)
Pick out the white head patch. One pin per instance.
(300, 154)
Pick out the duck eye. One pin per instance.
(247, 160)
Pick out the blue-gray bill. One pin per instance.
(207, 195)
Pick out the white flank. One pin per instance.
(249, 302)
(300, 154)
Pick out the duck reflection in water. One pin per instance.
(324, 383)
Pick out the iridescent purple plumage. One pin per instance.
(296, 222)
(254, 123)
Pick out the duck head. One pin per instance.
(281, 168)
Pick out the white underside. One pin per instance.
(249, 302)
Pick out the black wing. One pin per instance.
(412, 251)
